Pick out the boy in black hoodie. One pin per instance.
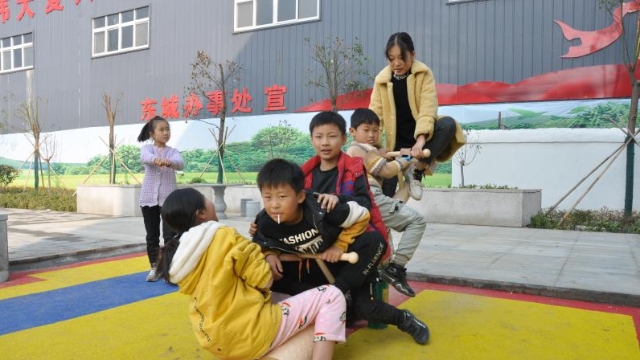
(293, 221)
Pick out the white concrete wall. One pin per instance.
(120, 200)
(553, 160)
(512, 208)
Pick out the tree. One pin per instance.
(210, 81)
(614, 7)
(27, 113)
(466, 154)
(277, 139)
(49, 147)
(343, 68)
(111, 112)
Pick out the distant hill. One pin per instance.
(13, 163)
(17, 163)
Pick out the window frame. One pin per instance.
(274, 22)
(23, 46)
(119, 26)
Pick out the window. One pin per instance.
(257, 14)
(16, 53)
(121, 32)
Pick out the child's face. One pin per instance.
(208, 213)
(366, 134)
(161, 132)
(327, 141)
(282, 203)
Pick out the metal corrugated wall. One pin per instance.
(500, 40)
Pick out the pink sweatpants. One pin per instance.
(324, 306)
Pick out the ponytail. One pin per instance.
(163, 264)
(145, 134)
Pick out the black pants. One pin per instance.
(359, 278)
(152, 220)
(443, 131)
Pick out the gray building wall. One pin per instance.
(497, 40)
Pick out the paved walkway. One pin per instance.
(599, 267)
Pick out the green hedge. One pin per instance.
(43, 199)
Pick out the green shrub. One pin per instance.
(197, 180)
(488, 187)
(7, 175)
(605, 220)
(42, 199)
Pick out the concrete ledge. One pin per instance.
(487, 207)
(120, 200)
(114, 200)
(4, 249)
(491, 207)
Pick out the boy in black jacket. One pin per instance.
(293, 221)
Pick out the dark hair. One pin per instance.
(281, 172)
(364, 116)
(148, 128)
(326, 118)
(404, 42)
(179, 213)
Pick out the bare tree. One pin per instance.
(49, 147)
(27, 113)
(614, 7)
(211, 81)
(343, 68)
(111, 112)
(467, 154)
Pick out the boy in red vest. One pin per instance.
(339, 178)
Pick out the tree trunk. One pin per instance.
(461, 174)
(631, 129)
(36, 169)
(112, 156)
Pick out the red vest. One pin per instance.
(349, 169)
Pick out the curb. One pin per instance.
(73, 257)
(592, 296)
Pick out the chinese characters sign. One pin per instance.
(23, 7)
(239, 102)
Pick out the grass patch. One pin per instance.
(604, 220)
(437, 180)
(72, 181)
(43, 199)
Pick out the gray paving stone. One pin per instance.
(572, 264)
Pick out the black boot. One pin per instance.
(414, 327)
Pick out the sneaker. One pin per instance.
(413, 178)
(414, 327)
(151, 277)
(396, 275)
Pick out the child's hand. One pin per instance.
(276, 266)
(416, 150)
(332, 254)
(328, 202)
(253, 229)
(158, 162)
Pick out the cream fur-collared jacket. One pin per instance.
(423, 101)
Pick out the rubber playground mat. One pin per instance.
(106, 310)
